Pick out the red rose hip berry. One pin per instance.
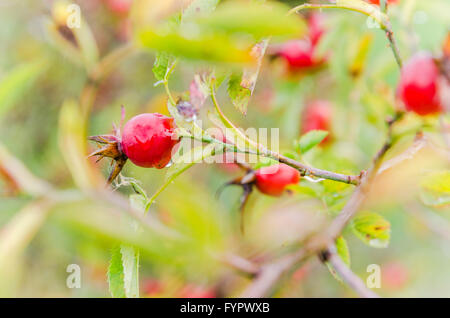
(299, 54)
(273, 180)
(148, 140)
(419, 85)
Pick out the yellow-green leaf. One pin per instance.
(15, 83)
(115, 274)
(310, 140)
(207, 47)
(437, 181)
(343, 252)
(257, 19)
(372, 229)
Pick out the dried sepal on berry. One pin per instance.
(111, 149)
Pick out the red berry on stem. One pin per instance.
(419, 85)
(148, 140)
(301, 54)
(298, 54)
(273, 180)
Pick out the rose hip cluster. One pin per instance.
(149, 139)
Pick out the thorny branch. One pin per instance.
(379, 16)
(304, 169)
(270, 274)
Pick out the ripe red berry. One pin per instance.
(419, 85)
(148, 140)
(298, 54)
(273, 180)
(301, 54)
(317, 116)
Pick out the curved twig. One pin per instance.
(380, 17)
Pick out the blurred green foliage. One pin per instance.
(46, 81)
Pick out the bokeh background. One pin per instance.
(50, 217)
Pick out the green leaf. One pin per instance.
(115, 274)
(240, 87)
(16, 82)
(239, 95)
(436, 189)
(125, 276)
(162, 64)
(310, 140)
(259, 20)
(343, 252)
(437, 182)
(123, 272)
(207, 47)
(130, 263)
(372, 229)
